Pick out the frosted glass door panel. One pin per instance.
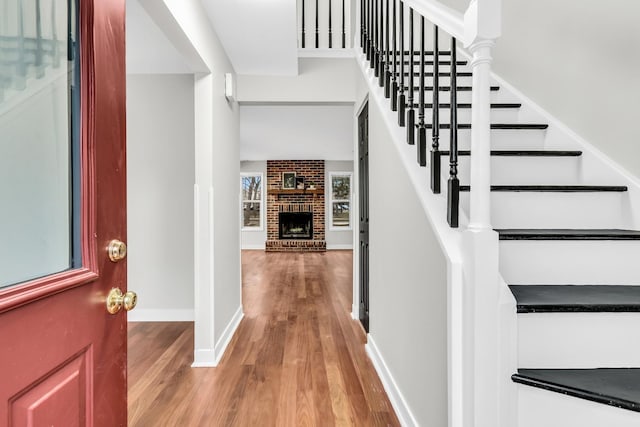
(36, 140)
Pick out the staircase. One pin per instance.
(567, 224)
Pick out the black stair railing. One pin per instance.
(422, 130)
(435, 117)
(453, 195)
(381, 48)
(402, 103)
(344, 34)
(411, 114)
(394, 72)
(317, 27)
(303, 36)
(384, 24)
(387, 69)
(330, 28)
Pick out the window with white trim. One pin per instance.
(252, 200)
(340, 200)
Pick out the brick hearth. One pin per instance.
(307, 200)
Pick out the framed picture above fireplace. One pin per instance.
(288, 180)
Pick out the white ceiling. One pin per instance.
(259, 37)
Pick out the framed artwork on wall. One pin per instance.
(300, 182)
(288, 180)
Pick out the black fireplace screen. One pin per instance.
(296, 225)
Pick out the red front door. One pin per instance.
(62, 355)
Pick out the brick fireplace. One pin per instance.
(295, 207)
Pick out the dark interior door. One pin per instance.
(363, 156)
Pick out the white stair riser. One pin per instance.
(542, 408)
(572, 262)
(554, 210)
(522, 170)
(512, 139)
(578, 340)
(498, 115)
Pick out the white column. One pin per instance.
(480, 197)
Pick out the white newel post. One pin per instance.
(483, 358)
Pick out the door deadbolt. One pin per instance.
(117, 250)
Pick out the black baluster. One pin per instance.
(367, 29)
(435, 122)
(376, 46)
(317, 29)
(330, 29)
(453, 197)
(411, 114)
(387, 70)
(402, 105)
(381, 46)
(344, 34)
(422, 129)
(304, 36)
(394, 81)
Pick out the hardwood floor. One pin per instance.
(297, 358)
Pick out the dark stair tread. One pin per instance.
(468, 105)
(440, 74)
(576, 298)
(426, 52)
(522, 153)
(497, 126)
(568, 234)
(555, 188)
(417, 62)
(619, 387)
(448, 88)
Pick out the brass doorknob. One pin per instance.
(117, 250)
(116, 300)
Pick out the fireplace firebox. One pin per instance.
(296, 225)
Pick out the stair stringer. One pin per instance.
(461, 370)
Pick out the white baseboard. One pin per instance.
(204, 358)
(355, 311)
(160, 315)
(257, 247)
(400, 406)
(227, 334)
(339, 247)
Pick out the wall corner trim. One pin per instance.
(203, 358)
(227, 334)
(400, 405)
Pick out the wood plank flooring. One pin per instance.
(297, 358)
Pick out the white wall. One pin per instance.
(408, 283)
(338, 239)
(255, 239)
(296, 132)
(579, 61)
(34, 182)
(160, 176)
(318, 81)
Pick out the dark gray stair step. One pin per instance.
(619, 387)
(554, 188)
(522, 153)
(496, 126)
(468, 105)
(440, 74)
(576, 298)
(426, 52)
(417, 62)
(448, 88)
(567, 234)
